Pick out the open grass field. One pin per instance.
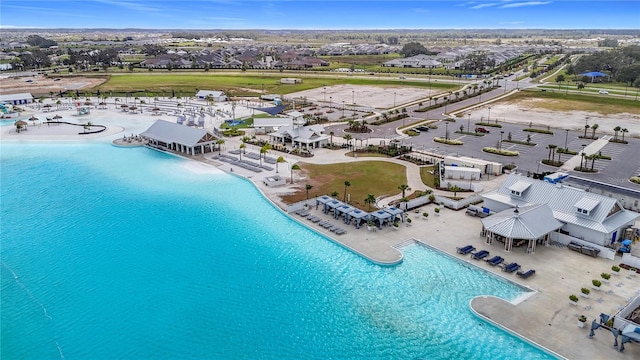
(366, 177)
(559, 101)
(242, 85)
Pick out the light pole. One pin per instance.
(342, 108)
(394, 99)
(330, 102)
(468, 122)
(500, 144)
(582, 155)
(446, 131)
(566, 138)
(489, 116)
(353, 99)
(324, 94)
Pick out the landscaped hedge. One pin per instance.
(502, 152)
(540, 131)
(566, 151)
(448, 142)
(520, 142)
(552, 163)
(488, 124)
(635, 179)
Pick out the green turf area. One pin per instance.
(428, 178)
(242, 85)
(366, 177)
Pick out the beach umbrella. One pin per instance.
(626, 242)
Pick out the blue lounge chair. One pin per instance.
(496, 260)
(525, 275)
(480, 255)
(465, 250)
(511, 267)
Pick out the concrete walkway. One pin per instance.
(592, 148)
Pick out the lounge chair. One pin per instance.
(525, 275)
(511, 267)
(480, 255)
(495, 261)
(340, 231)
(465, 250)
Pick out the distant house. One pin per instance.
(166, 135)
(585, 216)
(16, 99)
(268, 125)
(418, 61)
(217, 96)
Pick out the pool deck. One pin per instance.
(545, 318)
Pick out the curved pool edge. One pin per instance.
(490, 321)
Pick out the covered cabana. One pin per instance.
(343, 210)
(323, 200)
(381, 217)
(395, 212)
(358, 216)
(528, 225)
(331, 206)
(594, 74)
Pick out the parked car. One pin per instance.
(422, 128)
(482, 130)
(604, 92)
(476, 211)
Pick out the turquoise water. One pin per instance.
(132, 254)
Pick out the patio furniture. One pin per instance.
(495, 261)
(465, 250)
(525, 275)
(511, 267)
(480, 255)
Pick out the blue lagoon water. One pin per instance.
(112, 253)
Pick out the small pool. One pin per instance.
(234, 122)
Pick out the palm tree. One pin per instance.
(294, 167)
(419, 105)
(242, 146)
(346, 185)
(404, 188)
(308, 187)
(347, 138)
(549, 156)
(586, 127)
(552, 148)
(624, 130)
(593, 130)
(263, 151)
(580, 86)
(370, 200)
(331, 133)
(593, 158)
(616, 130)
(279, 160)
(455, 190)
(220, 142)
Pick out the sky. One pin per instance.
(320, 15)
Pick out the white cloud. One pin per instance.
(484, 5)
(130, 5)
(526, 3)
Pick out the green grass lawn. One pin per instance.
(427, 178)
(366, 177)
(241, 85)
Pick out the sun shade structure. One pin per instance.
(381, 216)
(395, 213)
(331, 206)
(530, 224)
(343, 210)
(358, 216)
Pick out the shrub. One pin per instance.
(573, 298)
(582, 318)
(615, 268)
(540, 131)
(596, 283)
(425, 214)
(448, 142)
(605, 276)
(585, 291)
(489, 124)
(493, 150)
(437, 210)
(635, 179)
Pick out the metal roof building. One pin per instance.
(166, 135)
(530, 224)
(16, 99)
(586, 216)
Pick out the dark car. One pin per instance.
(422, 128)
(482, 130)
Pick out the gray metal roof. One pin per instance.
(169, 132)
(530, 222)
(562, 199)
(12, 97)
(520, 186)
(587, 203)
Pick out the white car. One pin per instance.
(604, 92)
